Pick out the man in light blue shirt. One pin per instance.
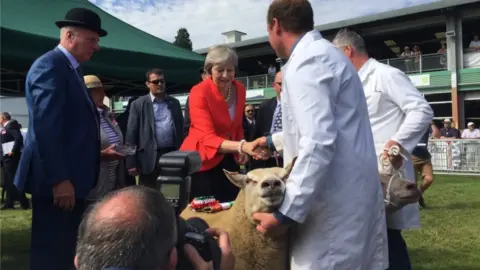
(155, 126)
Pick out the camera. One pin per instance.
(174, 183)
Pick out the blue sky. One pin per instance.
(205, 20)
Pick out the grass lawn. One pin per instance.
(449, 237)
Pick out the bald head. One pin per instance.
(277, 83)
(123, 208)
(134, 228)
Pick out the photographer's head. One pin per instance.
(133, 228)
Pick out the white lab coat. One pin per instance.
(398, 112)
(334, 189)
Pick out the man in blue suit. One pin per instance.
(60, 161)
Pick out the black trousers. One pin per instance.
(150, 179)
(214, 182)
(54, 234)
(397, 251)
(12, 193)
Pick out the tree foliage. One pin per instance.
(183, 39)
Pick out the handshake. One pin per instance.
(257, 149)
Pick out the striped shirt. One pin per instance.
(112, 139)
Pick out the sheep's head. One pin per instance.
(264, 189)
(402, 192)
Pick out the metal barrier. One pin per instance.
(257, 81)
(424, 63)
(410, 65)
(455, 156)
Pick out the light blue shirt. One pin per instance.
(74, 63)
(70, 57)
(164, 131)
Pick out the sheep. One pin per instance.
(397, 191)
(402, 192)
(262, 190)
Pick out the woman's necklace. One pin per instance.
(229, 92)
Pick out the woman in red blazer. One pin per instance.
(216, 112)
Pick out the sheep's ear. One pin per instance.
(238, 179)
(288, 169)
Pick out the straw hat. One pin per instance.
(92, 81)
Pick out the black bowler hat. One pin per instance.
(82, 17)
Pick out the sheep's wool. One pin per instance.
(253, 251)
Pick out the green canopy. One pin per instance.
(28, 30)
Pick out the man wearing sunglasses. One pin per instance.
(155, 126)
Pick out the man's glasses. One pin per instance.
(159, 81)
(249, 111)
(279, 83)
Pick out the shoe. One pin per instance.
(25, 205)
(421, 202)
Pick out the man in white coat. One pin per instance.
(399, 115)
(333, 199)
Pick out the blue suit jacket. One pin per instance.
(62, 142)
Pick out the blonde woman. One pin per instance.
(216, 114)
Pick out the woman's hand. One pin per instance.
(242, 159)
(110, 154)
(257, 149)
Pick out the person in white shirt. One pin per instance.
(471, 156)
(475, 43)
(471, 132)
(399, 115)
(272, 70)
(333, 200)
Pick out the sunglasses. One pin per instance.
(159, 81)
(249, 111)
(279, 83)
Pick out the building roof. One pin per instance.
(360, 20)
(38, 17)
(28, 30)
(234, 32)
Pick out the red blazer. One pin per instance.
(211, 123)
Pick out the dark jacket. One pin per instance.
(11, 133)
(63, 138)
(264, 117)
(186, 121)
(141, 131)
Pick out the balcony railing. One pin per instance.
(257, 81)
(471, 58)
(424, 63)
(420, 64)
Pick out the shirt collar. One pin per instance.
(365, 68)
(70, 57)
(155, 99)
(296, 43)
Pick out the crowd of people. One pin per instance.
(336, 111)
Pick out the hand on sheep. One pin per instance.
(227, 261)
(395, 160)
(268, 224)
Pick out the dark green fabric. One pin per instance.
(28, 30)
